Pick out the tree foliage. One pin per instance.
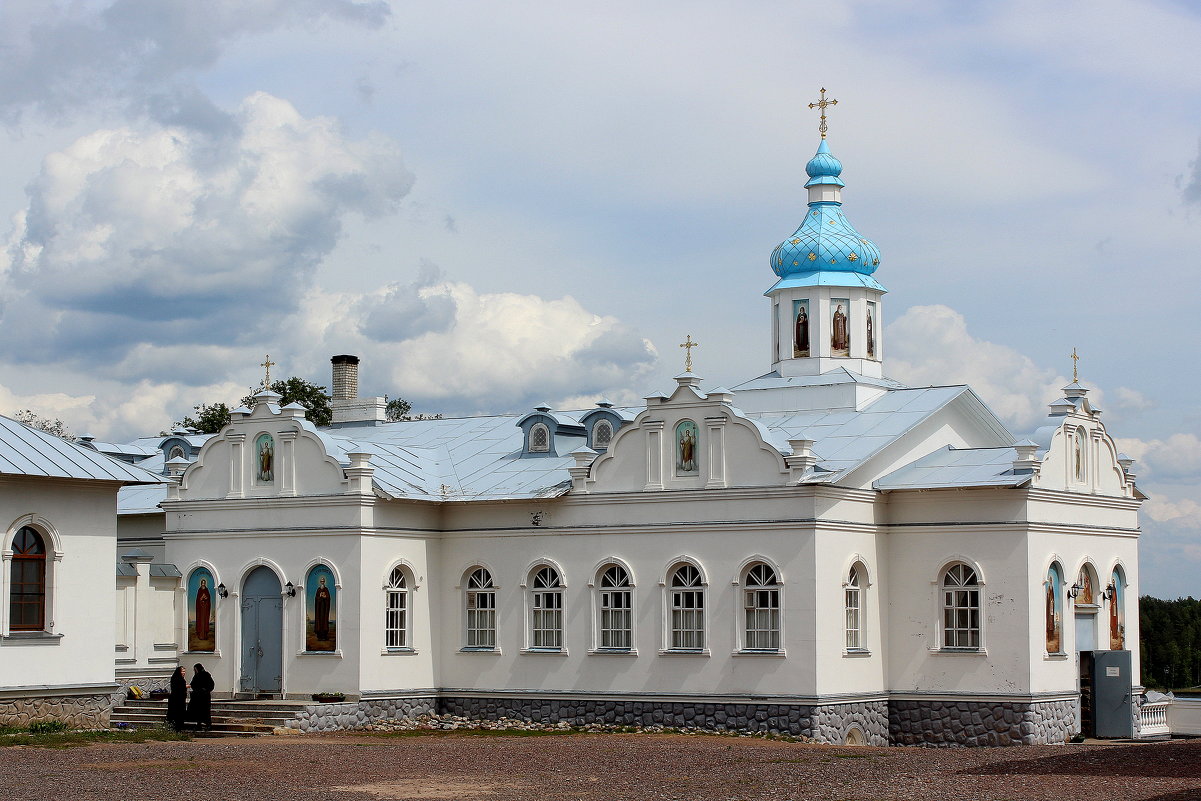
(206, 418)
(398, 409)
(50, 425)
(1170, 642)
(297, 390)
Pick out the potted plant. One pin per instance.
(329, 698)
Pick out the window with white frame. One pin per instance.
(546, 609)
(616, 610)
(853, 602)
(480, 601)
(761, 609)
(602, 434)
(960, 608)
(396, 610)
(687, 596)
(27, 581)
(539, 438)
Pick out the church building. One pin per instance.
(819, 550)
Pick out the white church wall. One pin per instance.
(917, 662)
(142, 531)
(1102, 551)
(78, 524)
(841, 670)
(412, 667)
(289, 556)
(649, 553)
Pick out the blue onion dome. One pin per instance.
(825, 241)
(824, 165)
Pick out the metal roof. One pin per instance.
(957, 467)
(25, 451)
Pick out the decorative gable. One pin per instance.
(270, 451)
(1077, 454)
(690, 440)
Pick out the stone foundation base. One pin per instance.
(980, 722)
(356, 714)
(77, 711)
(833, 723)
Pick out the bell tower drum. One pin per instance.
(826, 306)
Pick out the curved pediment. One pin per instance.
(264, 452)
(689, 440)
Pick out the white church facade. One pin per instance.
(819, 550)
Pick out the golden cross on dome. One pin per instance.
(822, 104)
(267, 365)
(688, 345)
(1075, 365)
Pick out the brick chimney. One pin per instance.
(347, 406)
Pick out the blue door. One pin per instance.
(262, 633)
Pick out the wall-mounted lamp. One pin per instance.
(224, 593)
(1074, 590)
(290, 590)
(1110, 592)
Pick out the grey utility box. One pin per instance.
(1113, 713)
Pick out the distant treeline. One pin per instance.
(1170, 641)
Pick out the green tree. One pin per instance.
(207, 418)
(50, 425)
(397, 409)
(309, 395)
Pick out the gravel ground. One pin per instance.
(612, 767)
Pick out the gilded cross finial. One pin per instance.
(688, 345)
(1075, 365)
(267, 364)
(822, 104)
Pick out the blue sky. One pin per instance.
(500, 204)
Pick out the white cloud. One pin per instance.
(1175, 457)
(931, 345)
(1185, 512)
(1131, 400)
(156, 235)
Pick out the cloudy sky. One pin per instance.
(499, 204)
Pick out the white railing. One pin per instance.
(1153, 719)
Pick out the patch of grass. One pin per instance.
(73, 739)
(47, 727)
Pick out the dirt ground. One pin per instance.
(612, 767)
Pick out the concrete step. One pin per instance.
(228, 706)
(159, 718)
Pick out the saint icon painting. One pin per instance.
(840, 338)
(871, 331)
(800, 329)
(202, 620)
(264, 451)
(321, 620)
(687, 443)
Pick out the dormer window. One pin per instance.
(176, 453)
(539, 441)
(602, 434)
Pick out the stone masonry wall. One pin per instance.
(77, 711)
(356, 714)
(948, 723)
(828, 723)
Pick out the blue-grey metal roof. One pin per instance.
(126, 570)
(165, 571)
(141, 499)
(774, 380)
(129, 449)
(957, 467)
(845, 438)
(25, 451)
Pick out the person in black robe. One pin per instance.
(200, 710)
(177, 701)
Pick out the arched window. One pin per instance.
(761, 609)
(396, 610)
(480, 602)
(539, 438)
(853, 601)
(602, 434)
(546, 609)
(960, 608)
(616, 610)
(687, 609)
(176, 453)
(27, 590)
(1053, 593)
(1117, 611)
(1079, 456)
